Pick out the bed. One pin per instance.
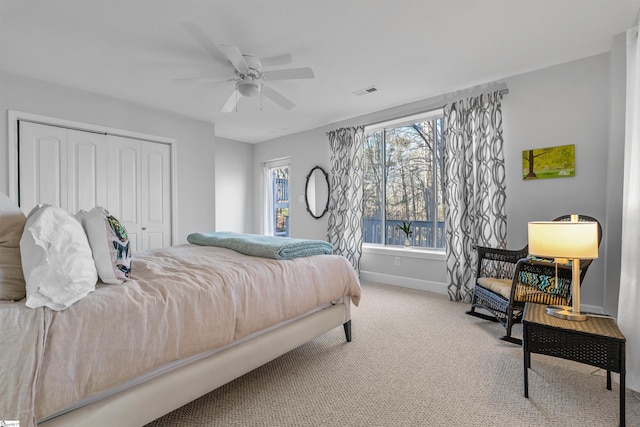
(189, 319)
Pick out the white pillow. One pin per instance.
(56, 259)
(12, 287)
(109, 244)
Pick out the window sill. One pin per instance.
(407, 253)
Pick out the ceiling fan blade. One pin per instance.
(274, 61)
(231, 102)
(200, 80)
(204, 41)
(276, 97)
(291, 73)
(235, 56)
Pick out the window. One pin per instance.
(403, 169)
(277, 198)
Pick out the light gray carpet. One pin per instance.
(415, 360)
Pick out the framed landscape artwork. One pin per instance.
(550, 162)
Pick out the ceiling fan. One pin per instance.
(249, 77)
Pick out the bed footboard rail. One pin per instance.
(152, 399)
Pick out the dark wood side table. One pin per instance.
(597, 342)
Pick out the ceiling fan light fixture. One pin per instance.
(248, 87)
(250, 80)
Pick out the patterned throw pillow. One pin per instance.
(544, 283)
(109, 243)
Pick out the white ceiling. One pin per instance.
(408, 49)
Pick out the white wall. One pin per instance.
(564, 104)
(234, 186)
(195, 139)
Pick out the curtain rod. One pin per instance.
(501, 92)
(429, 109)
(504, 91)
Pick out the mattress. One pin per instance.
(181, 302)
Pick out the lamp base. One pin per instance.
(565, 312)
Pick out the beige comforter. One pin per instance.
(180, 301)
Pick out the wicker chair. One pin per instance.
(507, 279)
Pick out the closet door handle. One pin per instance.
(144, 228)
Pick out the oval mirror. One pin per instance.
(316, 192)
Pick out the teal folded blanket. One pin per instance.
(262, 246)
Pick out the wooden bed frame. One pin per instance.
(152, 399)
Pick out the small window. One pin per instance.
(403, 169)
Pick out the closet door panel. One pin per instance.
(77, 170)
(87, 170)
(153, 240)
(43, 165)
(156, 200)
(124, 185)
(127, 178)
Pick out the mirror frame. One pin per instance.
(306, 195)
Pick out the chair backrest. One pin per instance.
(501, 263)
(585, 263)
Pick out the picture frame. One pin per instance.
(549, 162)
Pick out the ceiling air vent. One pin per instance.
(368, 90)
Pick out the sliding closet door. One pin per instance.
(42, 165)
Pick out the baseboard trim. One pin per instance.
(436, 287)
(405, 282)
(591, 308)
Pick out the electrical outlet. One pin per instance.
(396, 260)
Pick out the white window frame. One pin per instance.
(383, 248)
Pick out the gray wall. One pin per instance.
(234, 186)
(615, 176)
(565, 104)
(571, 103)
(305, 150)
(195, 139)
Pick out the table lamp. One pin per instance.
(573, 240)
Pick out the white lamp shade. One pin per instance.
(563, 239)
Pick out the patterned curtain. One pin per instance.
(474, 186)
(345, 201)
